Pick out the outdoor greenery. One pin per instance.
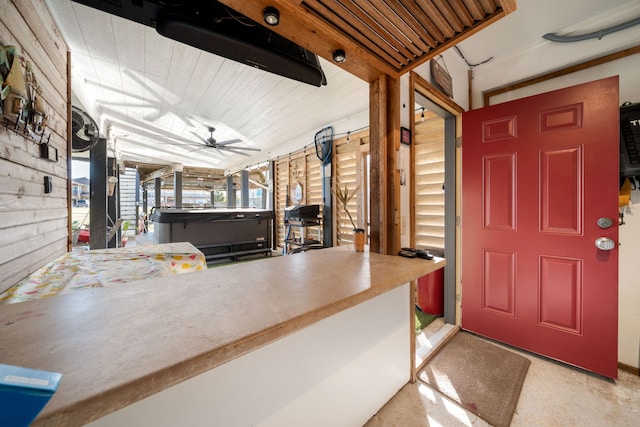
(423, 319)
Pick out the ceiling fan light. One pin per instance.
(271, 16)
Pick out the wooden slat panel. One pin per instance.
(302, 167)
(475, 9)
(429, 179)
(430, 202)
(307, 27)
(313, 190)
(461, 11)
(281, 187)
(364, 35)
(401, 19)
(429, 242)
(374, 18)
(314, 180)
(399, 34)
(423, 39)
(429, 26)
(429, 184)
(449, 14)
(508, 5)
(438, 19)
(346, 173)
(489, 6)
(431, 231)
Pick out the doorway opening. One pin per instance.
(433, 215)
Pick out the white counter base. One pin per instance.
(336, 372)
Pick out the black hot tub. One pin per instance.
(218, 233)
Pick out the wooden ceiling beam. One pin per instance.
(159, 173)
(303, 27)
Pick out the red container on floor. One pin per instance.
(431, 292)
(84, 236)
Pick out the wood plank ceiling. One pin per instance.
(195, 178)
(378, 36)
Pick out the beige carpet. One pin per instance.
(482, 377)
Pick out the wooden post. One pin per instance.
(384, 100)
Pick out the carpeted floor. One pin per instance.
(482, 377)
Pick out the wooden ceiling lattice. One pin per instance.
(379, 36)
(401, 33)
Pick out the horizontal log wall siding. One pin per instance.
(429, 179)
(34, 225)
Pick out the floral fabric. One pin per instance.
(78, 270)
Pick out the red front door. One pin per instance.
(539, 187)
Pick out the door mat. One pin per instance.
(482, 377)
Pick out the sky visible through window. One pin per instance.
(79, 169)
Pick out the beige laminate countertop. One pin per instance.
(115, 346)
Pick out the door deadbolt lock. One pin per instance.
(605, 222)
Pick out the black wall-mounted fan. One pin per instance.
(84, 130)
(224, 145)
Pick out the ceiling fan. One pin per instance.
(224, 145)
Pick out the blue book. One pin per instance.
(23, 393)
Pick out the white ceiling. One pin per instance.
(520, 52)
(159, 95)
(156, 93)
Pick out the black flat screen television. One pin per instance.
(215, 28)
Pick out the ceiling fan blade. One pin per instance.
(197, 148)
(217, 152)
(201, 138)
(242, 148)
(229, 141)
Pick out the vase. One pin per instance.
(358, 239)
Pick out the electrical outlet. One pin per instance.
(404, 225)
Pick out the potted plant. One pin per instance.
(344, 196)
